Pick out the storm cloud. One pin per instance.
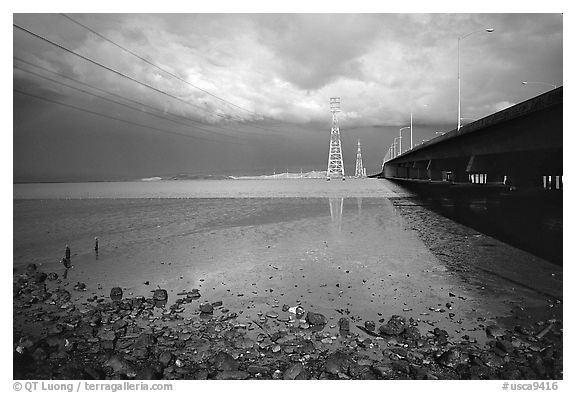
(261, 86)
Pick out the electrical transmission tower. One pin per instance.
(335, 161)
(360, 170)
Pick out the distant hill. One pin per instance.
(185, 176)
(307, 175)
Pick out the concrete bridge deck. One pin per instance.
(520, 146)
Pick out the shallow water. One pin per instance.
(303, 188)
(350, 256)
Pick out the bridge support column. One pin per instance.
(433, 174)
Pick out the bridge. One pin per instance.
(518, 148)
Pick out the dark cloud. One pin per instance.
(280, 69)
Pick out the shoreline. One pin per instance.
(469, 325)
(140, 338)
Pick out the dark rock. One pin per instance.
(480, 372)
(305, 347)
(106, 335)
(121, 366)
(537, 365)
(412, 333)
(453, 358)
(160, 297)
(370, 326)
(92, 373)
(511, 371)
(357, 370)
(39, 354)
(206, 308)
(60, 295)
(368, 375)
(165, 358)
(80, 286)
(400, 352)
(338, 362)
(225, 362)
(417, 372)
(52, 276)
(315, 318)
(344, 324)
(441, 336)
(505, 346)
(394, 327)
(285, 307)
(139, 353)
(365, 343)
(145, 340)
(527, 331)
(257, 369)
(116, 294)
(39, 277)
(31, 267)
(148, 373)
(217, 304)
(490, 359)
(293, 371)
(275, 336)
(235, 375)
(383, 370)
(200, 375)
(119, 324)
(324, 376)
(303, 376)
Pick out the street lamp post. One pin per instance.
(490, 30)
(411, 130)
(404, 128)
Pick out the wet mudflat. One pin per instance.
(292, 288)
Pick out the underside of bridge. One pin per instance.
(519, 148)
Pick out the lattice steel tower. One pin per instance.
(360, 171)
(335, 161)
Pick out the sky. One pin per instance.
(245, 94)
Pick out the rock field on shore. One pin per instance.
(190, 337)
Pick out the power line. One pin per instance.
(38, 36)
(121, 97)
(170, 73)
(113, 101)
(155, 65)
(114, 71)
(121, 120)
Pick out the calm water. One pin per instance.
(304, 188)
(338, 245)
(531, 224)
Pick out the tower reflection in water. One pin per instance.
(336, 209)
(336, 206)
